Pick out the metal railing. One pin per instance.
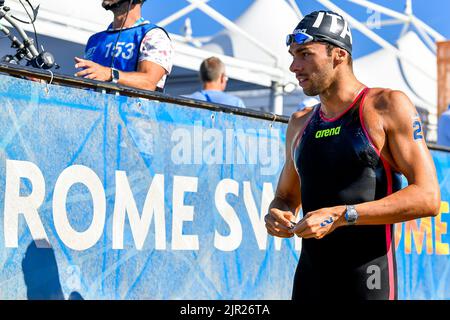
(109, 87)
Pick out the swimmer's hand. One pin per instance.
(279, 223)
(317, 224)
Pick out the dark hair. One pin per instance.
(211, 69)
(330, 48)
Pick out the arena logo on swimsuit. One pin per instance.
(328, 132)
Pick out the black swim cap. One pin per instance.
(325, 26)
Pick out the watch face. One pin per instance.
(115, 74)
(351, 215)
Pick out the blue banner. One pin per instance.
(111, 197)
(423, 260)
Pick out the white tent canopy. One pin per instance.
(383, 69)
(268, 22)
(252, 46)
(73, 21)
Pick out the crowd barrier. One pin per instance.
(146, 196)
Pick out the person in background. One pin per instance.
(214, 79)
(132, 51)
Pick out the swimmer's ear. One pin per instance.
(341, 55)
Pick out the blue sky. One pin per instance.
(433, 12)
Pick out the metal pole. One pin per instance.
(177, 15)
(220, 18)
(401, 16)
(276, 97)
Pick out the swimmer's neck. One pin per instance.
(339, 95)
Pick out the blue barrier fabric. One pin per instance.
(128, 198)
(423, 260)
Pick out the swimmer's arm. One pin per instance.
(287, 201)
(287, 195)
(406, 143)
(411, 157)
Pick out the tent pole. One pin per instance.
(406, 18)
(230, 25)
(375, 37)
(180, 13)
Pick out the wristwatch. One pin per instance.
(351, 215)
(114, 75)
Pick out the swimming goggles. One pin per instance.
(298, 37)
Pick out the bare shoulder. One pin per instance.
(296, 123)
(390, 107)
(389, 102)
(299, 118)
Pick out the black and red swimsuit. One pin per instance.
(339, 165)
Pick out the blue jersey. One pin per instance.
(100, 46)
